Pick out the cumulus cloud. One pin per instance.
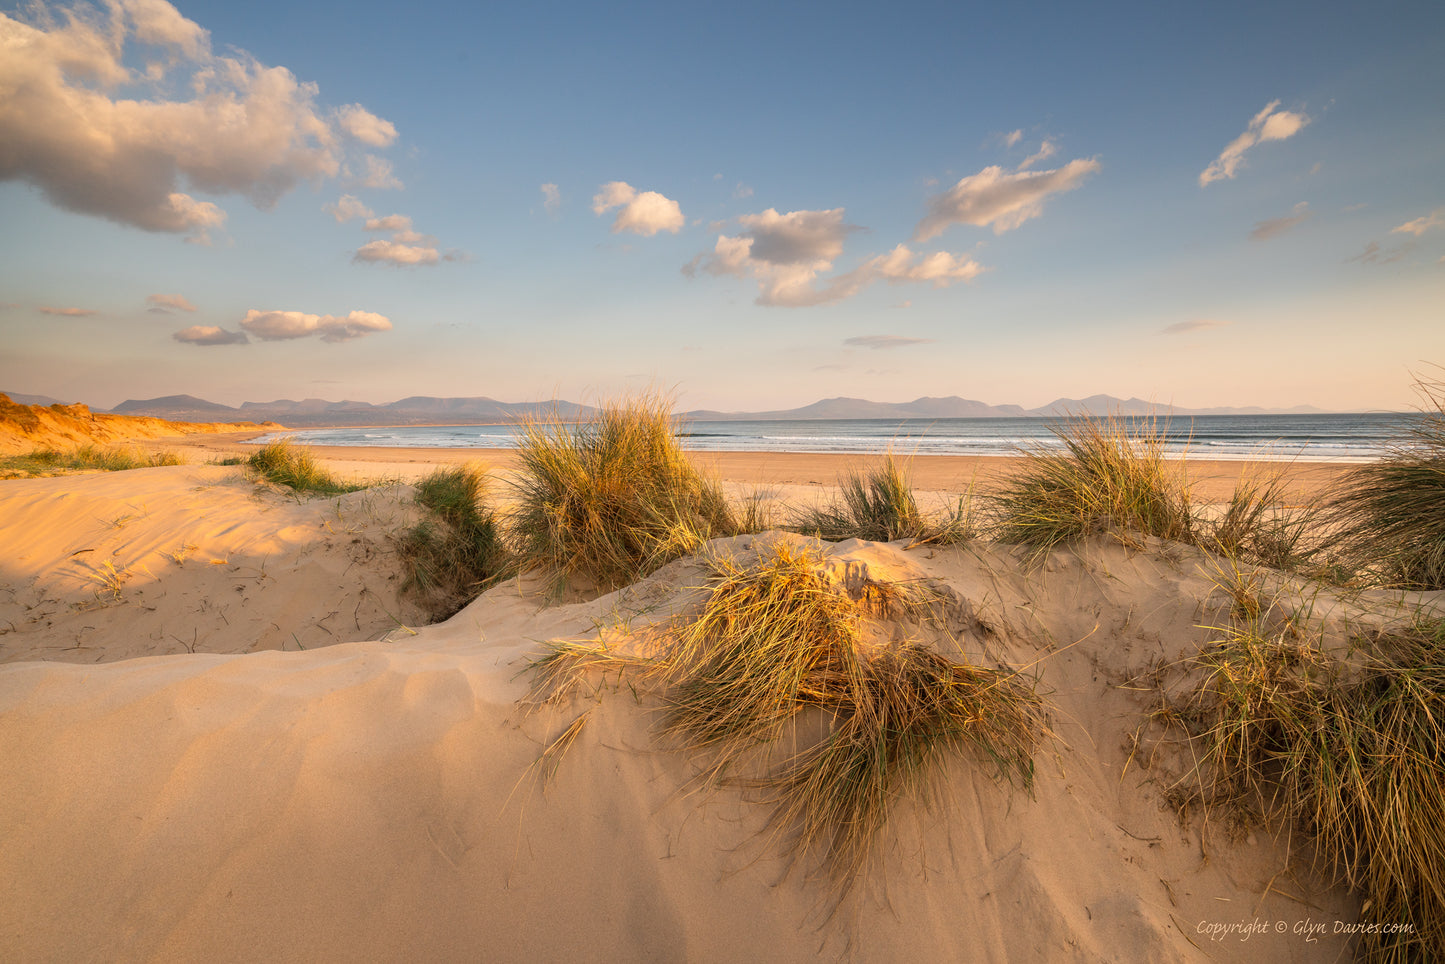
(1419, 226)
(1268, 125)
(99, 138)
(68, 312)
(884, 341)
(165, 304)
(365, 126)
(786, 254)
(286, 325)
(551, 197)
(392, 222)
(644, 213)
(1274, 227)
(1195, 324)
(210, 335)
(1001, 200)
(348, 206)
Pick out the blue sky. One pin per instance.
(757, 207)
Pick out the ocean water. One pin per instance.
(1359, 437)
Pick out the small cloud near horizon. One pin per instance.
(877, 342)
(210, 335)
(1268, 125)
(68, 312)
(1274, 227)
(1194, 324)
(165, 304)
(641, 212)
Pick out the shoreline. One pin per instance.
(1211, 480)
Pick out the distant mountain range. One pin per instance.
(423, 410)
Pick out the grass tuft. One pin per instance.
(85, 458)
(1260, 525)
(878, 505)
(1349, 749)
(1390, 515)
(1109, 476)
(777, 639)
(611, 498)
(456, 552)
(293, 466)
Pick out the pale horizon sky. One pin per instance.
(756, 206)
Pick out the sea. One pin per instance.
(1330, 438)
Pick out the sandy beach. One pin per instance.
(226, 735)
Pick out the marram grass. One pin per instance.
(456, 551)
(1348, 749)
(1107, 476)
(776, 639)
(1390, 515)
(49, 461)
(294, 467)
(878, 505)
(613, 497)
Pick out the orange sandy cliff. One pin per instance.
(27, 427)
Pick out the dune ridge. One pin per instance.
(27, 427)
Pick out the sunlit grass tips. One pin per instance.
(878, 505)
(1108, 476)
(49, 461)
(613, 497)
(294, 467)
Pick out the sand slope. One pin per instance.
(27, 427)
(372, 800)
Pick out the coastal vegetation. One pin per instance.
(84, 458)
(295, 467)
(456, 551)
(613, 497)
(879, 505)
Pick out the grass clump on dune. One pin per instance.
(776, 639)
(293, 466)
(1390, 515)
(1261, 526)
(456, 552)
(85, 458)
(1107, 476)
(613, 497)
(878, 505)
(1347, 748)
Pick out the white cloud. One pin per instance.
(1274, 227)
(1012, 138)
(1419, 226)
(998, 199)
(348, 206)
(397, 253)
(1194, 324)
(68, 312)
(167, 303)
(392, 222)
(100, 139)
(551, 197)
(786, 254)
(1268, 125)
(644, 213)
(286, 325)
(376, 173)
(742, 191)
(1046, 150)
(365, 126)
(210, 335)
(876, 342)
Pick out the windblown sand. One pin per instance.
(245, 747)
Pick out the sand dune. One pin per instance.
(27, 427)
(372, 799)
